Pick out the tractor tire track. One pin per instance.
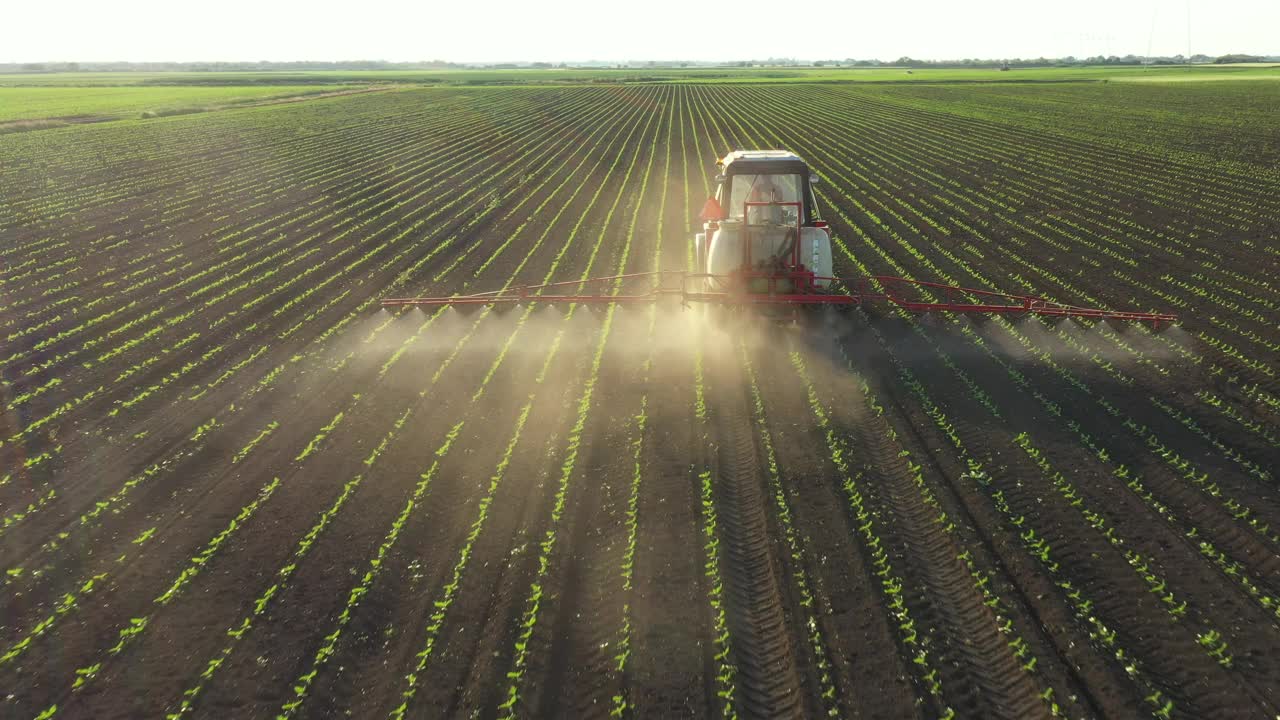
(1070, 663)
(1185, 673)
(977, 665)
(769, 679)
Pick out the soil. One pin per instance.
(657, 512)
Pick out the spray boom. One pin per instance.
(797, 288)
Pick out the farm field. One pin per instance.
(536, 76)
(42, 102)
(232, 486)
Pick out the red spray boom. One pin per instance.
(778, 288)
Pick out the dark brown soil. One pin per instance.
(233, 486)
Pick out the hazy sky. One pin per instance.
(555, 30)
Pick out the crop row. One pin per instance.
(202, 432)
(1215, 648)
(942, 250)
(223, 376)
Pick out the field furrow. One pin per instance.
(233, 485)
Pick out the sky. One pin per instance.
(580, 30)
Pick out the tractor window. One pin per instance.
(764, 188)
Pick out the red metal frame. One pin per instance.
(746, 240)
(601, 290)
(802, 289)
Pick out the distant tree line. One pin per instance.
(1244, 59)
(905, 61)
(259, 66)
(1068, 61)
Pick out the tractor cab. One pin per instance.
(761, 231)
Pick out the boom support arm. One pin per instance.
(687, 287)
